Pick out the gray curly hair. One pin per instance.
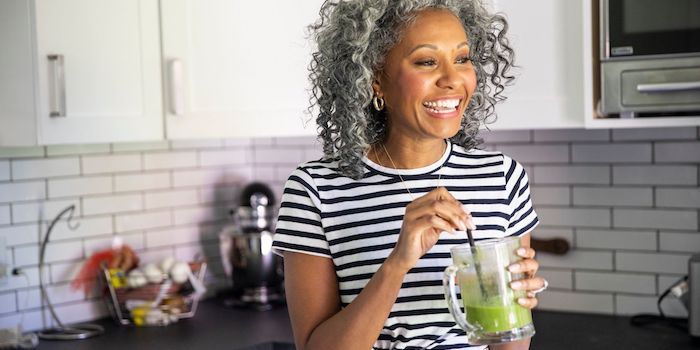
(354, 37)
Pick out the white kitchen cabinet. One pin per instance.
(551, 47)
(79, 71)
(236, 68)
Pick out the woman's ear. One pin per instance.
(377, 88)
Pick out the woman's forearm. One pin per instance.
(358, 325)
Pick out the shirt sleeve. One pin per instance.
(523, 218)
(299, 227)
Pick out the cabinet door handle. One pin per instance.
(57, 86)
(669, 87)
(176, 100)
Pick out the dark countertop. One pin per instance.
(218, 327)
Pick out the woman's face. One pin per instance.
(427, 79)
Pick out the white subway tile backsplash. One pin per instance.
(655, 218)
(238, 143)
(224, 157)
(220, 194)
(654, 134)
(571, 135)
(616, 282)
(188, 144)
(80, 186)
(141, 182)
(306, 141)
(574, 174)
(112, 204)
(677, 152)
(22, 152)
(64, 271)
(198, 215)
(551, 195)
(140, 146)
(63, 251)
(82, 311)
(536, 153)
(655, 175)
(212, 177)
(142, 221)
(44, 168)
(616, 239)
(22, 191)
(5, 216)
(82, 227)
(679, 241)
(651, 262)
(612, 153)
(24, 212)
(20, 234)
(627, 305)
(169, 160)
(172, 236)
(19, 282)
(63, 293)
(600, 303)
(313, 153)
(614, 196)
(71, 150)
(506, 136)
(667, 281)
(559, 232)
(115, 163)
(263, 141)
(559, 279)
(578, 217)
(265, 173)
(167, 199)
(578, 259)
(4, 170)
(278, 155)
(8, 303)
(26, 255)
(688, 197)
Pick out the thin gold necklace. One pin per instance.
(399, 172)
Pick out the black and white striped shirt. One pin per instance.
(356, 223)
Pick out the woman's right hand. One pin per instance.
(426, 217)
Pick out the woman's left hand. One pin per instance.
(531, 284)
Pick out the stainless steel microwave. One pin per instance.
(649, 58)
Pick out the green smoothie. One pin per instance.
(498, 318)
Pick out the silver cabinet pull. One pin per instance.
(669, 87)
(175, 93)
(57, 86)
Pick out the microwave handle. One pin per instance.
(669, 87)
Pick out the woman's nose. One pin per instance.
(449, 77)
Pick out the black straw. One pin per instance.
(477, 265)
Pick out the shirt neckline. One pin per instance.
(430, 168)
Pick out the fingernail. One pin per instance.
(521, 251)
(516, 284)
(471, 225)
(522, 301)
(514, 268)
(462, 226)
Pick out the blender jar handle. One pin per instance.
(448, 282)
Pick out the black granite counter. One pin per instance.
(218, 327)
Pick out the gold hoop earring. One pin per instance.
(378, 103)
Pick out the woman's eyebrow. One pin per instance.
(433, 47)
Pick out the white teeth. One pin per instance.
(452, 104)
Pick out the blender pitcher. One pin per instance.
(491, 311)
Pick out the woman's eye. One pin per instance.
(463, 59)
(426, 63)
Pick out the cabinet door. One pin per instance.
(236, 68)
(548, 39)
(108, 87)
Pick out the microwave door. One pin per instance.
(652, 27)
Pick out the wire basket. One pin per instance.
(116, 297)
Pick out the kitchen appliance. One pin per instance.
(246, 250)
(650, 58)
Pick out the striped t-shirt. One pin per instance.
(356, 223)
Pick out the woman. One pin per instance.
(402, 88)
